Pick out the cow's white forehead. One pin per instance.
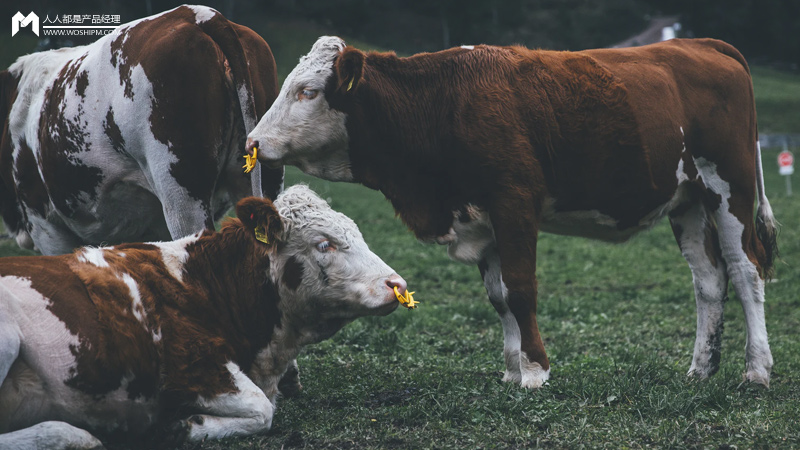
(318, 63)
(302, 209)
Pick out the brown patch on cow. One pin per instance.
(711, 243)
(81, 81)
(30, 190)
(113, 132)
(293, 273)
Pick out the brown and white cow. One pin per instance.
(195, 332)
(137, 136)
(482, 147)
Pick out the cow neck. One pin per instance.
(401, 140)
(231, 270)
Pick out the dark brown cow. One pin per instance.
(482, 147)
(196, 332)
(136, 136)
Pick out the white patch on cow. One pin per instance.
(244, 412)
(533, 375)
(313, 131)
(156, 335)
(468, 47)
(92, 255)
(50, 435)
(202, 13)
(137, 307)
(48, 343)
(174, 254)
(471, 237)
(743, 274)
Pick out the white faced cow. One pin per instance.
(137, 136)
(495, 144)
(195, 333)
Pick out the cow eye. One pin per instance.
(307, 94)
(325, 246)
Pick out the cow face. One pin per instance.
(301, 129)
(325, 273)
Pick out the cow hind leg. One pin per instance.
(733, 214)
(498, 296)
(699, 244)
(51, 435)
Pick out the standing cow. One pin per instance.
(195, 333)
(136, 136)
(482, 147)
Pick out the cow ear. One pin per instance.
(260, 217)
(349, 68)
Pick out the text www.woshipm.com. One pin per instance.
(86, 32)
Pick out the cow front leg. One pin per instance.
(51, 435)
(244, 412)
(498, 296)
(516, 228)
(290, 386)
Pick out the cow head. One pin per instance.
(301, 128)
(325, 273)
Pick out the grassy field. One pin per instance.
(618, 322)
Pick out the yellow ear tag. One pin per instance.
(407, 300)
(350, 85)
(250, 161)
(261, 236)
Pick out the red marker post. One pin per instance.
(786, 168)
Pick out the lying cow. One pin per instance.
(137, 136)
(196, 332)
(495, 144)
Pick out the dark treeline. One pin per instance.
(764, 30)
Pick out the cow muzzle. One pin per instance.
(265, 154)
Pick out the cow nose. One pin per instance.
(396, 281)
(250, 145)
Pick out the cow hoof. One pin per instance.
(701, 373)
(289, 385)
(512, 377)
(757, 376)
(533, 375)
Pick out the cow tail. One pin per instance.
(766, 225)
(219, 29)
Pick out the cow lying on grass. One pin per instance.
(194, 333)
(480, 148)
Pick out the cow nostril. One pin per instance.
(251, 144)
(396, 281)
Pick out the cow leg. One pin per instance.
(51, 435)
(699, 243)
(516, 232)
(734, 218)
(289, 386)
(244, 412)
(498, 296)
(184, 214)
